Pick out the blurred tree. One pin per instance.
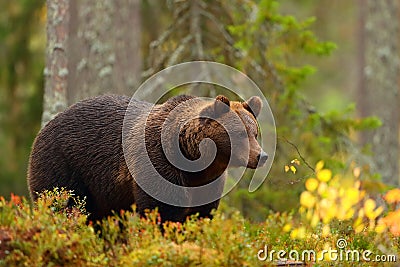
(22, 42)
(379, 60)
(93, 48)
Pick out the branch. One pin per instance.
(298, 152)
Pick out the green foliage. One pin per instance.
(51, 234)
(22, 41)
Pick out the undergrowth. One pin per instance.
(331, 226)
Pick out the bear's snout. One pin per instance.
(262, 158)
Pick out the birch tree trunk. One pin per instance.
(379, 82)
(93, 48)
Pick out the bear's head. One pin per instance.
(229, 126)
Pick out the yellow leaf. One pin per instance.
(287, 227)
(356, 172)
(331, 213)
(311, 184)
(361, 214)
(369, 204)
(293, 168)
(286, 168)
(307, 199)
(314, 220)
(322, 188)
(298, 233)
(378, 211)
(295, 161)
(359, 228)
(326, 230)
(319, 166)
(358, 225)
(357, 222)
(351, 197)
(324, 175)
(349, 214)
(369, 207)
(381, 227)
(293, 234)
(332, 193)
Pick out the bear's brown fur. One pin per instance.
(81, 150)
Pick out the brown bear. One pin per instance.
(81, 149)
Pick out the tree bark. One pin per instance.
(105, 48)
(379, 83)
(56, 70)
(93, 48)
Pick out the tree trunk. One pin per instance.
(93, 48)
(56, 71)
(379, 82)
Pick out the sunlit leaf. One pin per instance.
(324, 175)
(322, 188)
(293, 168)
(319, 166)
(359, 228)
(392, 196)
(307, 199)
(298, 233)
(357, 172)
(295, 161)
(314, 220)
(311, 184)
(287, 168)
(392, 221)
(287, 227)
(369, 207)
(381, 227)
(326, 230)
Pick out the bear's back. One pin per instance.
(80, 149)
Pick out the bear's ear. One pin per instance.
(221, 105)
(253, 105)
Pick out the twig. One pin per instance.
(298, 152)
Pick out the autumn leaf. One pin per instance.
(369, 208)
(287, 168)
(298, 233)
(392, 220)
(311, 184)
(307, 199)
(293, 169)
(296, 161)
(392, 196)
(326, 230)
(324, 175)
(319, 166)
(357, 172)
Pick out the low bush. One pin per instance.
(337, 223)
